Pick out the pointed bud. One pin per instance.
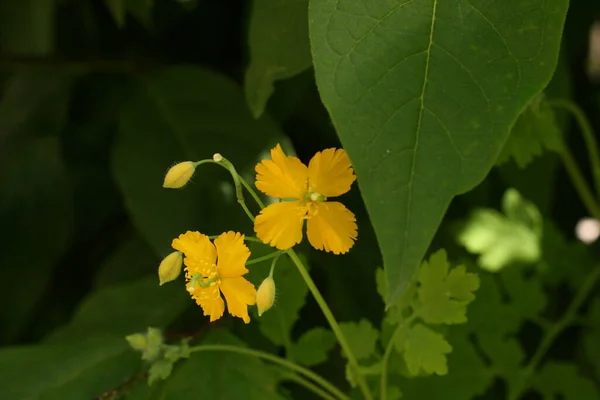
(179, 175)
(265, 295)
(137, 341)
(170, 267)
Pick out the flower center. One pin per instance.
(208, 278)
(314, 196)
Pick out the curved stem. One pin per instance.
(264, 258)
(362, 383)
(557, 328)
(309, 385)
(386, 355)
(581, 186)
(252, 193)
(588, 135)
(276, 360)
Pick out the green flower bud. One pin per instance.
(170, 267)
(137, 341)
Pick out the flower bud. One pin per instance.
(170, 267)
(137, 341)
(179, 175)
(265, 295)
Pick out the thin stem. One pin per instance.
(388, 352)
(309, 385)
(237, 179)
(276, 360)
(252, 193)
(581, 186)
(588, 135)
(275, 254)
(557, 328)
(333, 323)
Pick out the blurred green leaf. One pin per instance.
(536, 129)
(423, 95)
(177, 115)
(123, 309)
(591, 339)
(361, 336)
(312, 347)
(563, 379)
(504, 239)
(117, 9)
(36, 214)
(141, 10)
(279, 48)
(82, 369)
(27, 27)
(221, 375)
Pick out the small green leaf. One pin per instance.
(362, 337)
(159, 370)
(423, 95)
(504, 239)
(279, 48)
(117, 9)
(563, 379)
(443, 294)
(425, 350)
(312, 347)
(535, 130)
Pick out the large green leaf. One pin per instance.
(279, 47)
(177, 115)
(423, 94)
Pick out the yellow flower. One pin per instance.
(330, 225)
(215, 269)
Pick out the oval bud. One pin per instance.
(170, 267)
(265, 295)
(179, 175)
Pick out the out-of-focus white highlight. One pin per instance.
(593, 62)
(588, 230)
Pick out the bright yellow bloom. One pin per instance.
(330, 225)
(215, 269)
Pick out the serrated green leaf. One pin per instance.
(443, 294)
(185, 114)
(563, 379)
(506, 356)
(415, 85)
(312, 347)
(501, 240)
(536, 129)
(362, 337)
(27, 27)
(222, 375)
(425, 350)
(528, 293)
(160, 370)
(279, 48)
(118, 9)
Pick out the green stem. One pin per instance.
(588, 135)
(309, 385)
(581, 186)
(252, 193)
(557, 328)
(264, 258)
(276, 360)
(362, 383)
(388, 352)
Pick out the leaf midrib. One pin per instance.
(418, 131)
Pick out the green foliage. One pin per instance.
(424, 350)
(313, 346)
(27, 27)
(504, 239)
(362, 337)
(279, 48)
(438, 132)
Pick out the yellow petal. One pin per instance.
(239, 294)
(282, 177)
(331, 227)
(200, 253)
(232, 255)
(330, 173)
(280, 224)
(210, 300)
